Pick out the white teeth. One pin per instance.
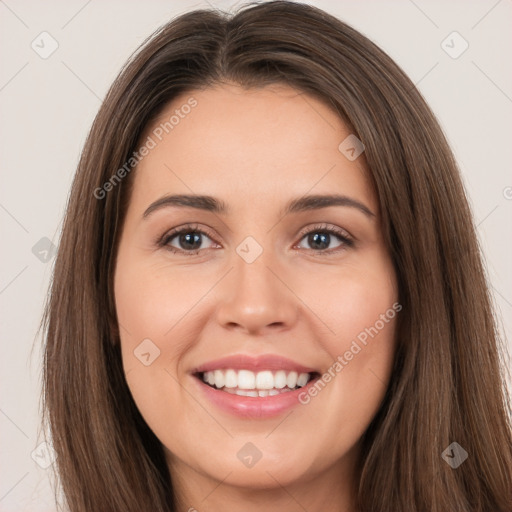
(291, 379)
(255, 393)
(280, 379)
(264, 383)
(218, 375)
(231, 380)
(264, 380)
(302, 380)
(246, 379)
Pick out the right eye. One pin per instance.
(187, 240)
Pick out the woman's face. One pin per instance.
(265, 283)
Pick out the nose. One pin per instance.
(256, 299)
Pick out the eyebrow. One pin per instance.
(301, 204)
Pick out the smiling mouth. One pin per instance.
(255, 384)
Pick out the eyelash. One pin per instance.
(347, 241)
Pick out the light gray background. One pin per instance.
(48, 105)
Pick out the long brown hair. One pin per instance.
(447, 384)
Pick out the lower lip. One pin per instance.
(254, 407)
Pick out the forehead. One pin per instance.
(249, 145)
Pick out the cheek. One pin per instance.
(152, 305)
(358, 306)
(149, 302)
(362, 313)
(154, 301)
(353, 300)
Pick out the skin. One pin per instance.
(255, 150)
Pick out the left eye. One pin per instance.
(320, 239)
(189, 240)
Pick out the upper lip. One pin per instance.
(254, 363)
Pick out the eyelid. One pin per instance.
(325, 227)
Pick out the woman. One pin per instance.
(268, 293)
